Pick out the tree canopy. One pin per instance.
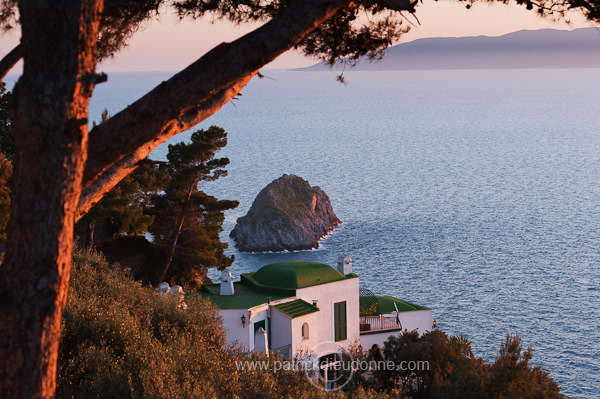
(453, 371)
(187, 220)
(162, 198)
(357, 29)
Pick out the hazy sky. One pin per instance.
(168, 44)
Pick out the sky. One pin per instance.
(169, 45)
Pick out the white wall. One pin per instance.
(281, 330)
(419, 320)
(258, 313)
(232, 320)
(321, 323)
(367, 341)
(288, 331)
(233, 325)
(300, 344)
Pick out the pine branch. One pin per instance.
(10, 60)
(192, 95)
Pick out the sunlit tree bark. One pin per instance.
(50, 111)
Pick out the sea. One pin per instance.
(475, 193)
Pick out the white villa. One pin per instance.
(292, 307)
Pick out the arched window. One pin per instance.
(304, 330)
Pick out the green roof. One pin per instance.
(386, 304)
(244, 297)
(296, 308)
(276, 281)
(296, 274)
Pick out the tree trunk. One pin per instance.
(171, 252)
(90, 234)
(51, 133)
(174, 238)
(50, 106)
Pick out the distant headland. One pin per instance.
(543, 48)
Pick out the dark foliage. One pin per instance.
(153, 198)
(362, 28)
(452, 371)
(187, 220)
(5, 192)
(7, 141)
(121, 19)
(342, 40)
(122, 211)
(164, 199)
(121, 340)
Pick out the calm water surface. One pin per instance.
(474, 193)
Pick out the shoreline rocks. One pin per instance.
(288, 214)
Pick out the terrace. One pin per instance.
(380, 313)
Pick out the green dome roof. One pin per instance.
(296, 274)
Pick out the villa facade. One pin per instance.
(293, 307)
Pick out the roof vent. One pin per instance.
(226, 283)
(163, 288)
(261, 343)
(344, 264)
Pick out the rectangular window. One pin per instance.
(339, 321)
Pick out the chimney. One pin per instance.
(176, 290)
(163, 288)
(226, 283)
(344, 264)
(261, 344)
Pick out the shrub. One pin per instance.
(454, 372)
(121, 340)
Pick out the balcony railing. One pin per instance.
(379, 322)
(285, 351)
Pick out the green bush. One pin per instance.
(454, 372)
(121, 340)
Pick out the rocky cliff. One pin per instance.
(288, 214)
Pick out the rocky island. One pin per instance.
(288, 214)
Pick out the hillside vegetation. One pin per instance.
(120, 339)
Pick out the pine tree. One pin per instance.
(188, 221)
(122, 209)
